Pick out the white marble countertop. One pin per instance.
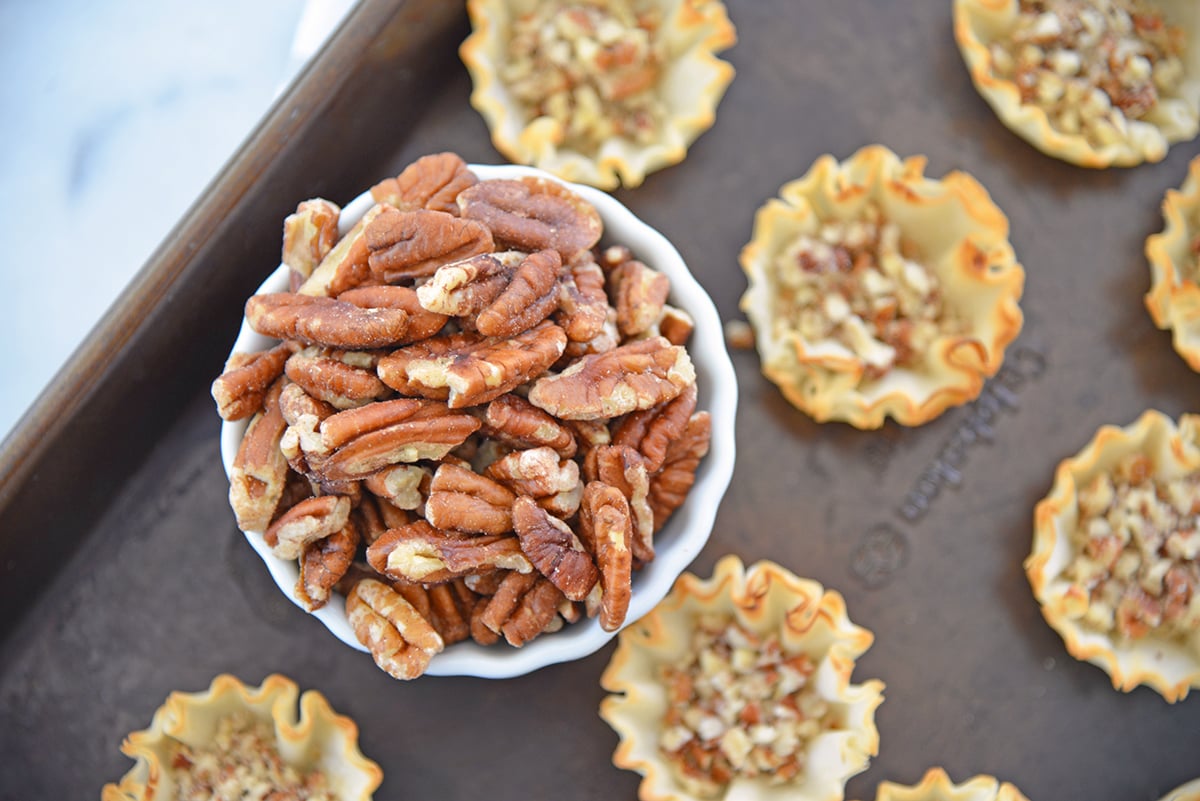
(118, 107)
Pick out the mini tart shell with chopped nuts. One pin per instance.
(768, 601)
(1171, 666)
(978, 24)
(689, 84)
(317, 740)
(1174, 297)
(936, 786)
(960, 238)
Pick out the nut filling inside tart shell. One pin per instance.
(599, 93)
(1114, 561)
(238, 742)
(740, 684)
(1097, 83)
(1174, 256)
(875, 291)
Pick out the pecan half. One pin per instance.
(636, 376)
(422, 323)
(464, 288)
(507, 597)
(554, 549)
(260, 470)
(465, 501)
(308, 236)
(306, 522)
(622, 467)
(638, 295)
(413, 244)
(401, 484)
(670, 486)
(466, 370)
(652, 431)
(537, 613)
(529, 298)
(533, 214)
(582, 301)
(322, 565)
(325, 321)
(400, 641)
(343, 379)
(446, 611)
(519, 424)
(364, 440)
(421, 553)
(431, 182)
(538, 473)
(344, 267)
(240, 390)
(606, 528)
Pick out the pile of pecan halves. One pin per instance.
(498, 413)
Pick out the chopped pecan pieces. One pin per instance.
(308, 236)
(431, 182)
(421, 553)
(533, 214)
(325, 321)
(413, 244)
(259, 473)
(466, 370)
(554, 549)
(306, 522)
(465, 501)
(640, 375)
(240, 390)
(399, 639)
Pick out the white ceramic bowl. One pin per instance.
(675, 546)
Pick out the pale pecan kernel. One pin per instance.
(554, 549)
(322, 565)
(606, 528)
(421, 553)
(260, 470)
(325, 321)
(400, 641)
(344, 267)
(400, 484)
(431, 182)
(462, 500)
(639, 294)
(635, 376)
(466, 370)
(532, 214)
(464, 288)
(413, 244)
(677, 325)
(529, 298)
(239, 391)
(308, 236)
(670, 486)
(518, 423)
(306, 522)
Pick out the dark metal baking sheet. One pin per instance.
(124, 577)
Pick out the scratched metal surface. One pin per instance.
(922, 530)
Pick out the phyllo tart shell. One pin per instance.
(1113, 563)
(931, 279)
(1186, 792)
(598, 93)
(1174, 255)
(1045, 94)
(773, 621)
(936, 786)
(319, 744)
